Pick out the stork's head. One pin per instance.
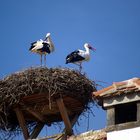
(90, 47)
(48, 34)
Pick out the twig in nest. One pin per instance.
(54, 82)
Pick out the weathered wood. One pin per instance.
(36, 130)
(110, 116)
(63, 135)
(36, 115)
(39, 103)
(73, 121)
(35, 98)
(64, 115)
(22, 122)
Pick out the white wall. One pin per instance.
(127, 134)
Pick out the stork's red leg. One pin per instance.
(80, 67)
(45, 60)
(41, 59)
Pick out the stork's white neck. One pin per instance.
(86, 48)
(51, 43)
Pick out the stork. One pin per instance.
(79, 56)
(42, 47)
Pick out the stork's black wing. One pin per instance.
(74, 57)
(32, 45)
(45, 48)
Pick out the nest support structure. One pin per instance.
(43, 96)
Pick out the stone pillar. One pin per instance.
(110, 116)
(138, 111)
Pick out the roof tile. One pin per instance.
(117, 88)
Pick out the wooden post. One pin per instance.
(110, 116)
(36, 115)
(64, 115)
(63, 135)
(73, 121)
(22, 122)
(36, 130)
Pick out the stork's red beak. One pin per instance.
(92, 48)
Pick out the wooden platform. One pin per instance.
(45, 110)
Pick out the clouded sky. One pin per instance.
(111, 26)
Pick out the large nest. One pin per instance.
(54, 81)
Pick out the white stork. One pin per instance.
(79, 56)
(43, 47)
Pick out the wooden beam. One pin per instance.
(35, 98)
(22, 122)
(64, 115)
(36, 115)
(36, 130)
(73, 121)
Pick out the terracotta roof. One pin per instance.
(117, 88)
